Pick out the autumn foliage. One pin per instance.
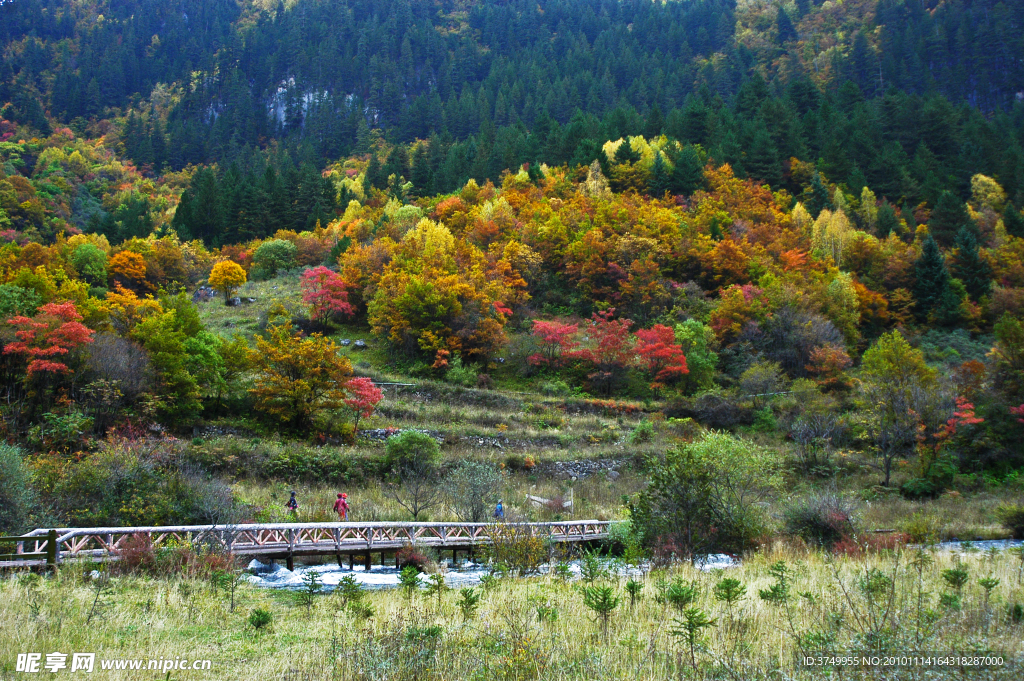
(46, 339)
(226, 277)
(298, 378)
(325, 292)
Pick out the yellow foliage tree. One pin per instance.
(226, 277)
(298, 378)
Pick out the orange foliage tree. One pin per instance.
(128, 269)
(298, 378)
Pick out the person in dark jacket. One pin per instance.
(499, 511)
(292, 506)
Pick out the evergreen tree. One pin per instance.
(886, 222)
(948, 217)
(660, 179)
(421, 175)
(655, 123)
(763, 161)
(819, 199)
(787, 31)
(375, 177)
(625, 154)
(969, 267)
(1013, 221)
(688, 172)
(932, 279)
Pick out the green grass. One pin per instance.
(415, 637)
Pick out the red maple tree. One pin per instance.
(661, 355)
(48, 337)
(326, 294)
(556, 339)
(365, 397)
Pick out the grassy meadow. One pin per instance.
(786, 601)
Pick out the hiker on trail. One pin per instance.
(341, 506)
(292, 506)
(499, 511)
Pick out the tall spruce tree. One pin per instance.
(886, 222)
(1013, 221)
(932, 279)
(949, 215)
(969, 267)
(660, 178)
(688, 172)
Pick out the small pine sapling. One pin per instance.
(311, 587)
(469, 599)
(409, 580)
(436, 586)
(691, 630)
(633, 588)
(603, 601)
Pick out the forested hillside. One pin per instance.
(910, 97)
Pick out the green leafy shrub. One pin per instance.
(555, 388)
(643, 432)
(1011, 516)
(460, 374)
(823, 519)
(272, 256)
(17, 497)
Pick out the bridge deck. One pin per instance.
(296, 539)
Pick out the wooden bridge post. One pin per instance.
(351, 561)
(291, 547)
(337, 545)
(51, 551)
(369, 561)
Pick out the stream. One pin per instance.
(276, 576)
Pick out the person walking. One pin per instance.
(499, 511)
(292, 506)
(341, 506)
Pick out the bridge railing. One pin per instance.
(258, 538)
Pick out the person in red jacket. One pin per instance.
(341, 506)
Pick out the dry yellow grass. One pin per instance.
(419, 637)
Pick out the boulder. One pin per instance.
(347, 342)
(360, 345)
(234, 302)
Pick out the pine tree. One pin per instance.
(787, 31)
(1013, 221)
(688, 173)
(932, 278)
(375, 177)
(969, 267)
(660, 178)
(948, 217)
(763, 159)
(654, 124)
(819, 199)
(625, 154)
(886, 222)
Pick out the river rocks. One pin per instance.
(382, 434)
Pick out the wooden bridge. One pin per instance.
(287, 540)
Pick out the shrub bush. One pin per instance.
(555, 388)
(1011, 516)
(644, 432)
(822, 518)
(17, 498)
